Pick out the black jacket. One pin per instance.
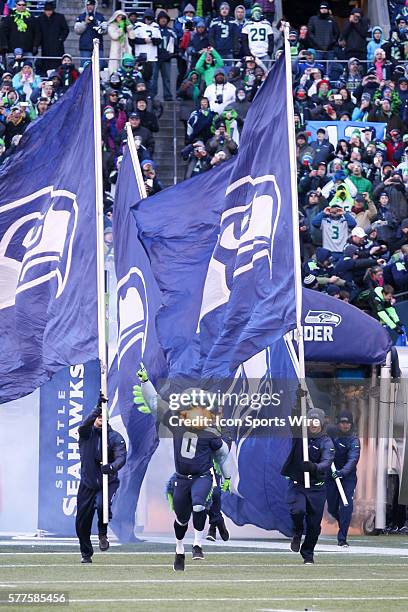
(11, 38)
(53, 32)
(347, 452)
(323, 32)
(321, 453)
(355, 35)
(90, 450)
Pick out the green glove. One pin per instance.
(170, 501)
(140, 400)
(142, 373)
(226, 486)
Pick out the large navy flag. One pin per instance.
(138, 299)
(48, 297)
(223, 253)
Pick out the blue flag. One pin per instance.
(221, 248)
(138, 299)
(48, 297)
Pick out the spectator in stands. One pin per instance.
(380, 301)
(240, 106)
(146, 138)
(224, 33)
(377, 41)
(393, 186)
(397, 45)
(152, 183)
(89, 25)
(148, 39)
(20, 30)
(257, 36)
(199, 41)
(383, 113)
(120, 31)
(26, 81)
(53, 30)
(67, 71)
(189, 93)
(364, 210)
(323, 149)
(209, 62)
(166, 51)
(197, 158)
(354, 35)
(320, 266)
(200, 122)
(220, 94)
(41, 107)
(16, 124)
(147, 119)
(240, 18)
(221, 141)
(361, 184)
(323, 32)
(350, 268)
(335, 224)
(184, 27)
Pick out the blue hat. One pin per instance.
(333, 290)
(340, 175)
(322, 254)
(200, 23)
(311, 51)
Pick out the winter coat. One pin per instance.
(119, 40)
(90, 450)
(321, 453)
(347, 452)
(397, 198)
(372, 46)
(323, 32)
(11, 38)
(88, 31)
(224, 35)
(355, 35)
(207, 71)
(53, 32)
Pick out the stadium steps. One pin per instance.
(164, 149)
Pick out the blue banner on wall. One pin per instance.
(336, 130)
(72, 393)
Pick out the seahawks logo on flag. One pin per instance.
(132, 311)
(36, 247)
(246, 237)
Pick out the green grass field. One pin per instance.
(140, 577)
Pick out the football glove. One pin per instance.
(107, 469)
(142, 373)
(226, 486)
(336, 474)
(309, 466)
(140, 400)
(102, 399)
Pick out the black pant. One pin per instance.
(306, 505)
(89, 500)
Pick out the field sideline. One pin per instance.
(370, 576)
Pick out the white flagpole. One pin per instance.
(135, 161)
(100, 263)
(296, 246)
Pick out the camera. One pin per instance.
(189, 25)
(91, 18)
(219, 98)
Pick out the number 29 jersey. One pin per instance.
(193, 450)
(258, 36)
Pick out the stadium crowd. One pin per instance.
(353, 206)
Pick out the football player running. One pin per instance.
(196, 444)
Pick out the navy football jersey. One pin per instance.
(193, 450)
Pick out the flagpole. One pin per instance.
(100, 263)
(135, 161)
(296, 247)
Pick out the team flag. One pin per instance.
(48, 296)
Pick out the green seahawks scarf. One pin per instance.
(19, 20)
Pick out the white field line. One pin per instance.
(229, 599)
(202, 566)
(201, 581)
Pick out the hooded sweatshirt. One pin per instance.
(372, 46)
